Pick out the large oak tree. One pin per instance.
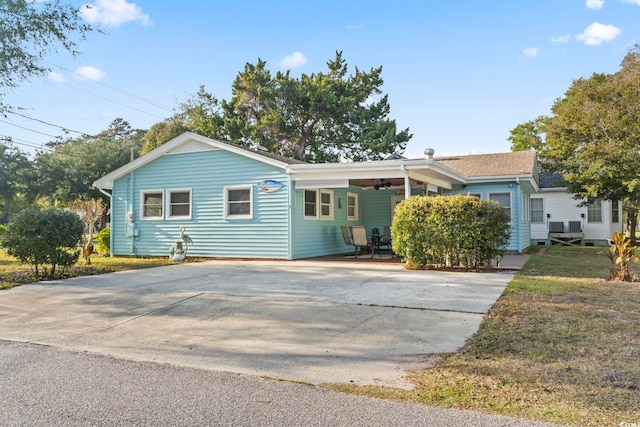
(593, 136)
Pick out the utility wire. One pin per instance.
(30, 130)
(63, 128)
(111, 100)
(122, 91)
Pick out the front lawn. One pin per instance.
(12, 273)
(562, 345)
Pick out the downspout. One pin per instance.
(110, 196)
(132, 220)
(291, 197)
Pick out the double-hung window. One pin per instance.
(537, 210)
(310, 204)
(238, 202)
(326, 204)
(615, 211)
(179, 204)
(594, 210)
(505, 201)
(318, 204)
(352, 206)
(152, 204)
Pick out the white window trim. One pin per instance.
(168, 203)
(330, 204)
(226, 202)
(355, 208)
(304, 205)
(510, 201)
(600, 209)
(537, 210)
(615, 208)
(162, 206)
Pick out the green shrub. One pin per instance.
(449, 230)
(104, 241)
(44, 238)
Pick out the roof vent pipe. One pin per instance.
(429, 153)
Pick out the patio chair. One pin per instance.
(386, 238)
(360, 241)
(346, 235)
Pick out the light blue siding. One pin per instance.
(206, 174)
(318, 237)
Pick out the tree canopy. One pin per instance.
(16, 173)
(593, 134)
(69, 170)
(31, 30)
(323, 117)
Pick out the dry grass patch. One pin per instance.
(562, 345)
(13, 273)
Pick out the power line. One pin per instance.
(63, 128)
(111, 100)
(30, 130)
(116, 89)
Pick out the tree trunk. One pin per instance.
(632, 219)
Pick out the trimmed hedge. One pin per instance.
(449, 231)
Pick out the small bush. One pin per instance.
(44, 238)
(449, 231)
(104, 241)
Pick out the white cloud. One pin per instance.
(113, 13)
(55, 77)
(355, 27)
(294, 60)
(597, 33)
(560, 39)
(637, 2)
(530, 52)
(595, 4)
(89, 73)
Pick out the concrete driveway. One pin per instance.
(303, 320)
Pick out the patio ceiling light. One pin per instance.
(383, 185)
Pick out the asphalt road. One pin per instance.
(49, 386)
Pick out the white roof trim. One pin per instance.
(173, 147)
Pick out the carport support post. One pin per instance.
(407, 183)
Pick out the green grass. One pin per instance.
(562, 345)
(13, 273)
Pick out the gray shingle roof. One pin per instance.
(477, 165)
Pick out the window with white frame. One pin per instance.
(537, 210)
(504, 199)
(310, 204)
(238, 202)
(594, 210)
(478, 195)
(615, 211)
(179, 203)
(352, 206)
(326, 204)
(152, 204)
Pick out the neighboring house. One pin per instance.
(236, 202)
(598, 219)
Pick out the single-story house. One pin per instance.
(553, 209)
(239, 202)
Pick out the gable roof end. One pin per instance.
(106, 182)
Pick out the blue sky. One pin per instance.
(459, 73)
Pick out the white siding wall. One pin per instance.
(560, 206)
